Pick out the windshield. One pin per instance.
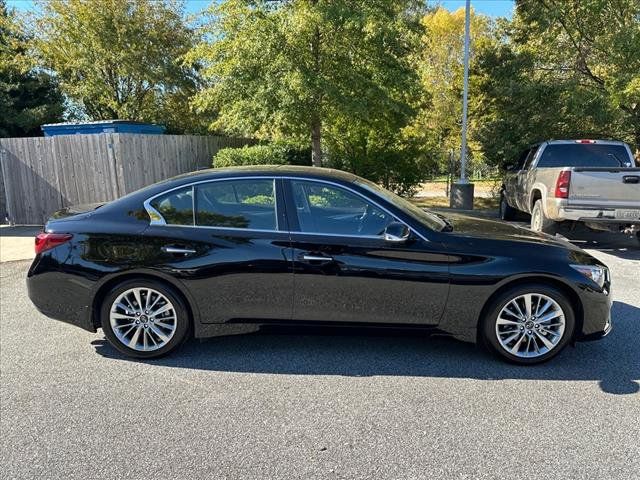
(429, 219)
(584, 155)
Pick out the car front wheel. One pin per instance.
(529, 324)
(144, 318)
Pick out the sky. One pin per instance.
(493, 8)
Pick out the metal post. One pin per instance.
(462, 191)
(465, 93)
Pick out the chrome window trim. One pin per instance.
(151, 210)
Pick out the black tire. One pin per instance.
(506, 211)
(540, 222)
(487, 330)
(182, 320)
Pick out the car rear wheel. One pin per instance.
(540, 222)
(506, 212)
(529, 324)
(144, 318)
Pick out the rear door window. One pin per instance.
(237, 204)
(176, 207)
(584, 155)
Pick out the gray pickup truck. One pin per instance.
(588, 181)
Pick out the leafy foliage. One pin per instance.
(278, 153)
(295, 70)
(121, 59)
(28, 97)
(559, 70)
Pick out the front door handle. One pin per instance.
(316, 258)
(178, 250)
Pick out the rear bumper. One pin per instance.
(59, 295)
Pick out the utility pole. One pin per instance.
(462, 191)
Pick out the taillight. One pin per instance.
(562, 184)
(47, 241)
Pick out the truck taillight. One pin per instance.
(562, 184)
(46, 241)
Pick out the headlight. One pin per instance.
(595, 272)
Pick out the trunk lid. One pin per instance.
(75, 210)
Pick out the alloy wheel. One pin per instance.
(143, 319)
(530, 325)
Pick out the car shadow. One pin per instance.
(613, 361)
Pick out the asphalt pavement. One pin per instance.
(330, 405)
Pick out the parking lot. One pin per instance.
(322, 405)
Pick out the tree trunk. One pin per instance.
(316, 147)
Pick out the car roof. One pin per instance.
(266, 170)
(204, 175)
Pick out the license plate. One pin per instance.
(628, 214)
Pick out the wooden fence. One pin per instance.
(41, 175)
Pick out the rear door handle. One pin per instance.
(178, 250)
(631, 179)
(316, 258)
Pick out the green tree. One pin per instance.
(516, 105)
(296, 69)
(29, 97)
(121, 59)
(592, 43)
(440, 66)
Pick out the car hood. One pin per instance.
(465, 225)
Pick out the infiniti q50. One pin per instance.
(227, 251)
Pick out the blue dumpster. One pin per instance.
(102, 126)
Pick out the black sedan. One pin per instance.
(227, 251)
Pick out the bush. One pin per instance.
(278, 153)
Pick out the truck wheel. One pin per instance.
(539, 221)
(506, 211)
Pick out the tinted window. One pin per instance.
(323, 208)
(423, 216)
(584, 155)
(237, 204)
(176, 207)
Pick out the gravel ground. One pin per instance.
(316, 406)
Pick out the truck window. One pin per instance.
(584, 155)
(529, 159)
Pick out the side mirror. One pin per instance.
(396, 232)
(512, 168)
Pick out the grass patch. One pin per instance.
(479, 203)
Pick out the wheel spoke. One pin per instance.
(120, 316)
(136, 294)
(520, 314)
(550, 316)
(134, 339)
(516, 346)
(161, 335)
(164, 325)
(545, 340)
(124, 325)
(527, 305)
(504, 321)
(161, 310)
(544, 308)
